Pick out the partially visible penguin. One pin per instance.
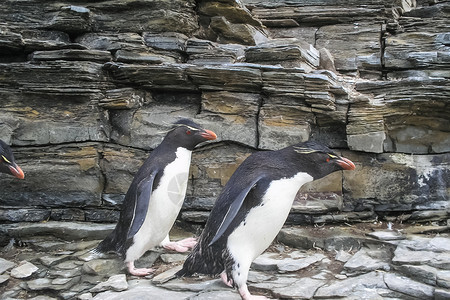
(7, 163)
(155, 197)
(252, 208)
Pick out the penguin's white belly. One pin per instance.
(165, 204)
(263, 222)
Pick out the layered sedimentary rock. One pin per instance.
(88, 90)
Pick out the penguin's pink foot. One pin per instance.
(138, 272)
(245, 294)
(225, 279)
(181, 246)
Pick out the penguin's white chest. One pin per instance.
(165, 204)
(263, 222)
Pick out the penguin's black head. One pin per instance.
(320, 160)
(188, 134)
(7, 163)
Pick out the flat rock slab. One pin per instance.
(304, 288)
(3, 278)
(344, 288)
(49, 284)
(366, 260)
(6, 265)
(103, 267)
(215, 295)
(116, 283)
(404, 255)
(409, 287)
(24, 270)
(65, 230)
(388, 235)
(196, 286)
(290, 263)
(173, 257)
(166, 276)
(144, 290)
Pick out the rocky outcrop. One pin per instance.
(88, 90)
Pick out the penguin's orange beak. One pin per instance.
(345, 163)
(16, 171)
(208, 134)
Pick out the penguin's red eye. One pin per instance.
(188, 132)
(328, 159)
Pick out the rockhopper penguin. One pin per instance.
(155, 197)
(7, 163)
(252, 208)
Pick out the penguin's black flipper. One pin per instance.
(233, 210)
(143, 194)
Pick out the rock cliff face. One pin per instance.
(88, 88)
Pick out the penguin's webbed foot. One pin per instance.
(224, 277)
(181, 246)
(138, 271)
(245, 294)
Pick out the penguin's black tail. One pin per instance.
(202, 260)
(110, 244)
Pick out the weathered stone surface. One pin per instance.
(332, 12)
(69, 54)
(443, 278)
(238, 33)
(65, 230)
(171, 41)
(127, 41)
(159, 16)
(215, 295)
(103, 267)
(409, 287)
(24, 270)
(343, 288)
(359, 43)
(365, 261)
(236, 77)
(232, 116)
(5, 265)
(72, 173)
(125, 98)
(422, 28)
(421, 273)
(116, 283)
(24, 215)
(321, 276)
(166, 276)
(209, 53)
(431, 252)
(404, 182)
(172, 257)
(424, 132)
(102, 80)
(297, 53)
(48, 284)
(204, 285)
(329, 239)
(164, 76)
(119, 165)
(388, 235)
(141, 290)
(304, 288)
(4, 278)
